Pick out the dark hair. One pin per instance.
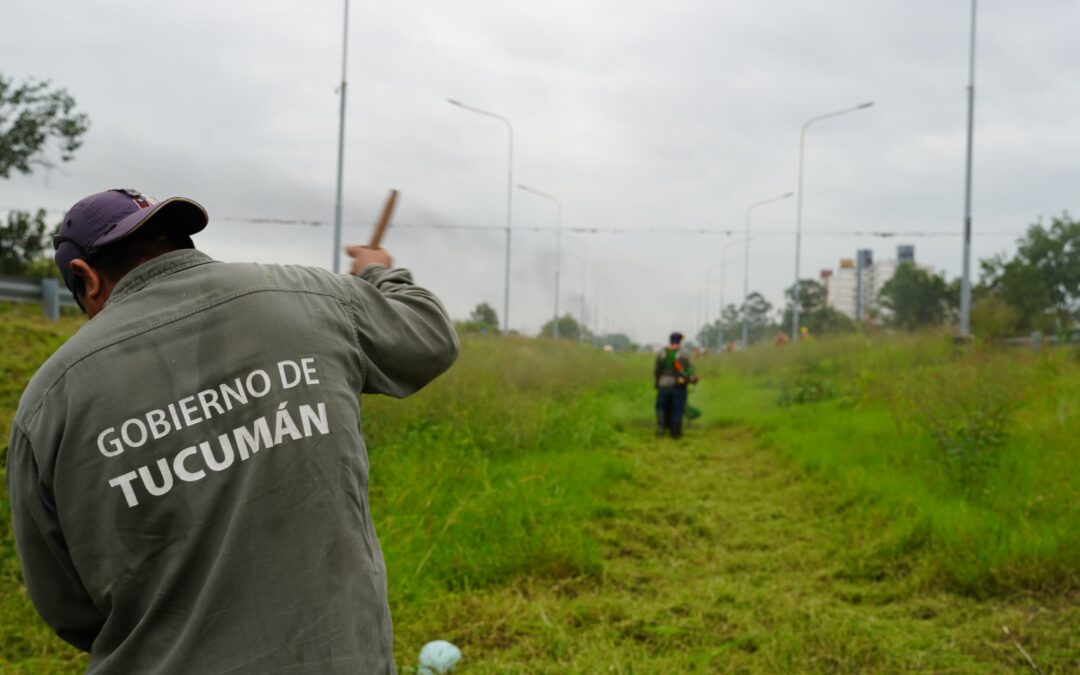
(125, 255)
(116, 260)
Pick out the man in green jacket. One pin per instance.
(187, 473)
(672, 372)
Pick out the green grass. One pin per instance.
(810, 522)
(487, 476)
(489, 473)
(26, 645)
(892, 420)
(721, 557)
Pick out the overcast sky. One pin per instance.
(673, 115)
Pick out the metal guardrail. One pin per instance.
(46, 291)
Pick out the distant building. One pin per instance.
(840, 287)
(864, 258)
(853, 288)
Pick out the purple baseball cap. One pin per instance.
(107, 217)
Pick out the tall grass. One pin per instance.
(27, 340)
(974, 451)
(488, 475)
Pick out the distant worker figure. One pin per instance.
(672, 373)
(781, 339)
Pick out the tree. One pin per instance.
(814, 312)
(1042, 281)
(917, 297)
(755, 311)
(22, 242)
(993, 318)
(569, 328)
(708, 336)
(619, 342)
(829, 320)
(1020, 286)
(483, 320)
(32, 114)
(724, 329)
(811, 296)
(485, 314)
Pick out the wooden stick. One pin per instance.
(384, 220)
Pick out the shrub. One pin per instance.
(806, 388)
(966, 409)
(992, 318)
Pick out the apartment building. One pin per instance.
(853, 288)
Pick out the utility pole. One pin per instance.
(746, 260)
(558, 252)
(965, 283)
(864, 260)
(798, 208)
(509, 200)
(341, 144)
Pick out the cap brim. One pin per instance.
(175, 214)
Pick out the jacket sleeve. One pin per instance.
(688, 367)
(406, 336)
(52, 582)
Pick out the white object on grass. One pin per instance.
(438, 658)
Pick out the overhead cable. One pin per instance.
(680, 231)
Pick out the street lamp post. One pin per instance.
(746, 259)
(707, 287)
(558, 252)
(599, 290)
(341, 144)
(965, 284)
(509, 200)
(798, 208)
(584, 279)
(723, 282)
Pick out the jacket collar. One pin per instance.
(161, 266)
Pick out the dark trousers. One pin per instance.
(670, 406)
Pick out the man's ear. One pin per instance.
(95, 290)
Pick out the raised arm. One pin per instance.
(406, 337)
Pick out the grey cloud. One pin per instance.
(636, 114)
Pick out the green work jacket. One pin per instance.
(188, 476)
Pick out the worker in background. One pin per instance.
(672, 373)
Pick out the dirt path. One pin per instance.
(719, 556)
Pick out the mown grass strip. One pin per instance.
(719, 555)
